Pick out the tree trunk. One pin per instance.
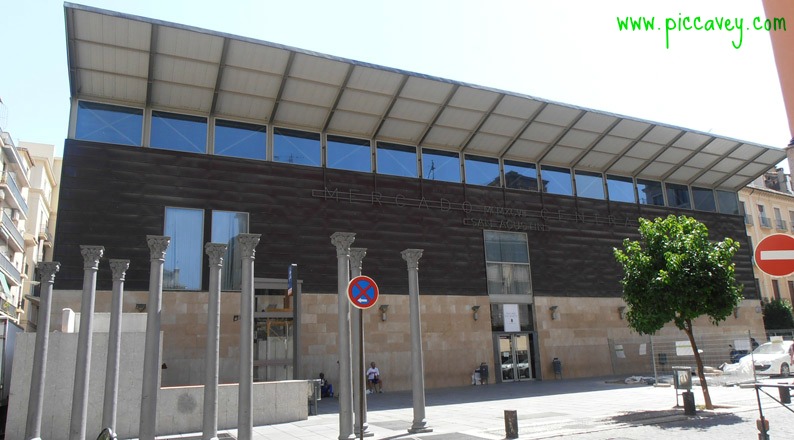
(699, 362)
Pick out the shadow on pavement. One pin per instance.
(675, 418)
(482, 393)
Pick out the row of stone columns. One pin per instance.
(350, 260)
(152, 356)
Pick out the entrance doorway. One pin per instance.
(515, 356)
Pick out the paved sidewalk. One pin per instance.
(583, 408)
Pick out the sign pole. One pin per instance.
(361, 380)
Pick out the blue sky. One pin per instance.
(568, 51)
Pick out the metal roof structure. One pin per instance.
(142, 62)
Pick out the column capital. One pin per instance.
(119, 269)
(412, 256)
(342, 241)
(48, 270)
(158, 244)
(357, 257)
(247, 243)
(91, 256)
(216, 252)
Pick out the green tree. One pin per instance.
(675, 273)
(777, 315)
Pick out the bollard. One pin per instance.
(785, 393)
(689, 403)
(763, 428)
(511, 423)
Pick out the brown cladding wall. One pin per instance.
(114, 196)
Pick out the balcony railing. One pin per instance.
(780, 224)
(13, 231)
(10, 271)
(12, 153)
(8, 179)
(44, 233)
(766, 222)
(748, 219)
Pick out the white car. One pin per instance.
(772, 358)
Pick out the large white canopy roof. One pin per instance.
(150, 63)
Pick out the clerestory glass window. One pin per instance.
(348, 154)
(507, 263)
(440, 165)
(182, 268)
(650, 192)
(589, 185)
(678, 196)
(620, 189)
(171, 131)
(703, 199)
(397, 160)
(729, 202)
(521, 175)
(296, 147)
(482, 171)
(226, 226)
(556, 180)
(237, 139)
(109, 123)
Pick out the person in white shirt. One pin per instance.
(374, 384)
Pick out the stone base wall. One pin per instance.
(579, 336)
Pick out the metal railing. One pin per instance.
(780, 224)
(13, 231)
(45, 234)
(8, 268)
(748, 219)
(9, 180)
(766, 222)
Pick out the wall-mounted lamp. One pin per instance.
(164, 366)
(140, 308)
(476, 310)
(622, 312)
(383, 310)
(555, 314)
(736, 312)
(236, 317)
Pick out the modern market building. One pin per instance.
(517, 202)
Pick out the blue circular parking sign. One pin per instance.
(362, 291)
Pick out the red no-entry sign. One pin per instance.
(775, 255)
(362, 292)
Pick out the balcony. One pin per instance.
(766, 222)
(7, 180)
(13, 154)
(748, 219)
(11, 231)
(780, 225)
(44, 234)
(12, 273)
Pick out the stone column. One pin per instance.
(356, 259)
(412, 256)
(91, 256)
(39, 372)
(342, 242)
(215, 251)
(109, 408)
(245, 421)
(147, 427)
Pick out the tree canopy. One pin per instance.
(675, 273)
(777, 315)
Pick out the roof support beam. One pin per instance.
(152, 55)
(284, 77)
(390, 106)
(667, 175)
(219, 76)
(628, 148)
(594, 143)
(482, 121)
(437, 115)
(706, 170)
(553, 143)
(653, 158)
(735, 170)
(338, 97)
(521, 130)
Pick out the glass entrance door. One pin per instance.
(514, 357)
